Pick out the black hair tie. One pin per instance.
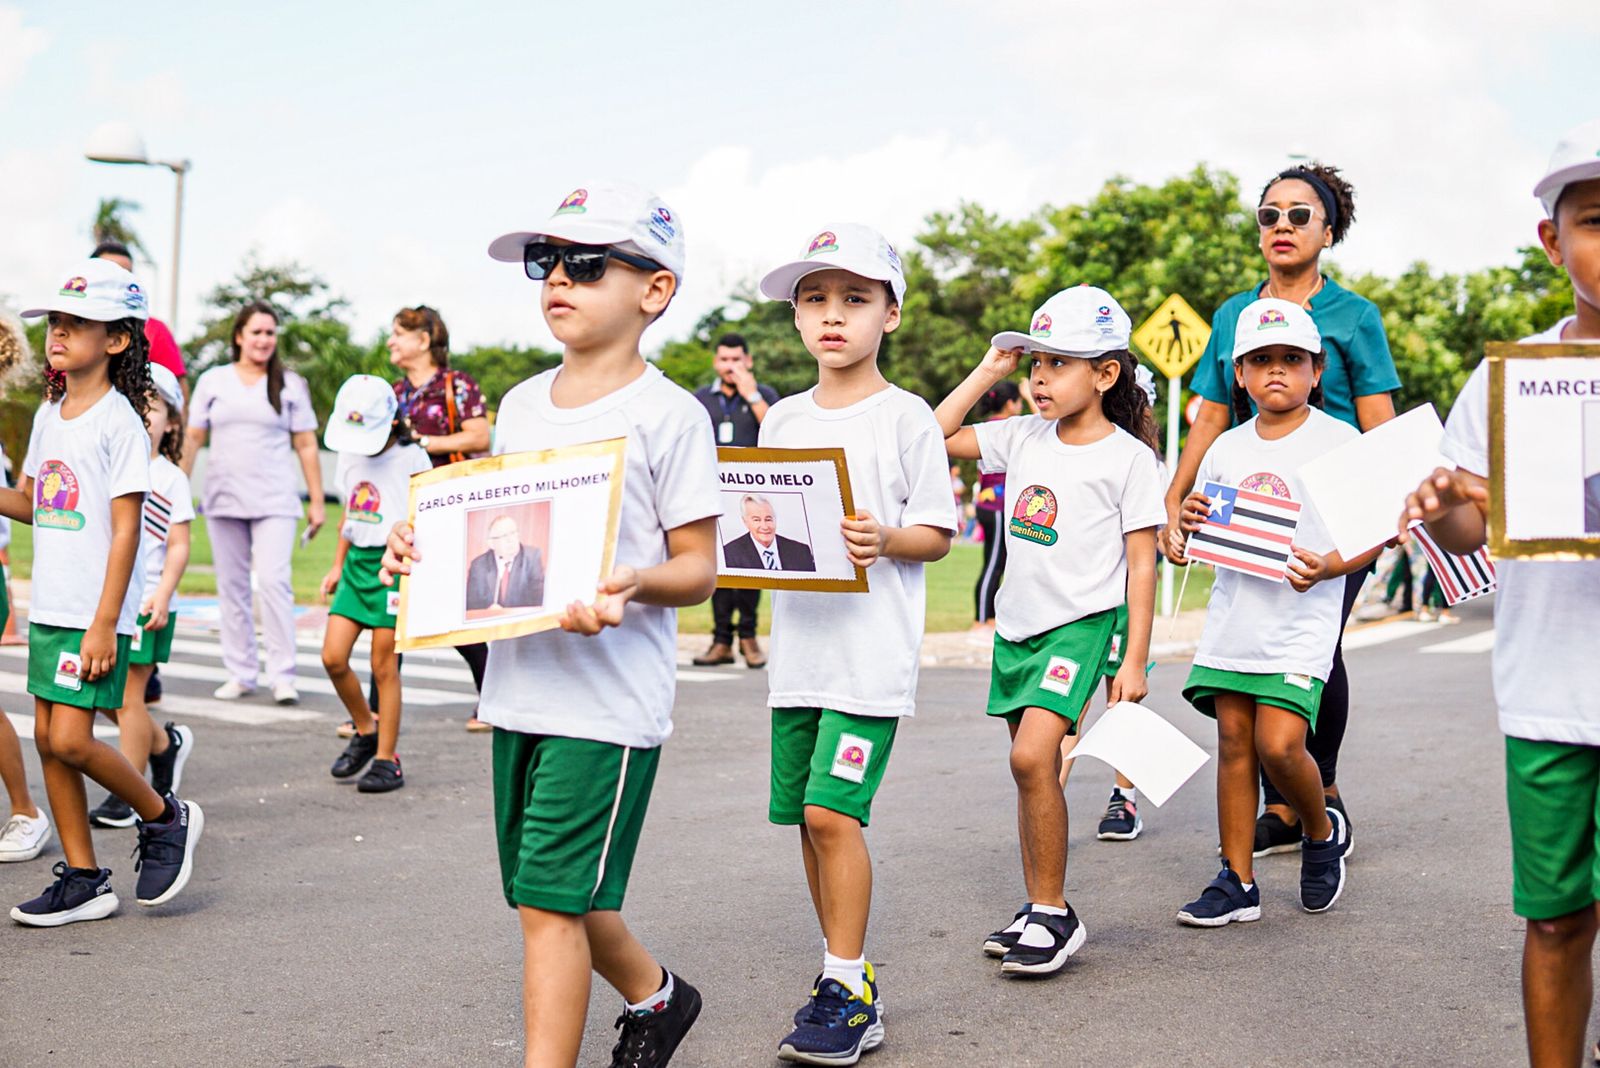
(1330, 203)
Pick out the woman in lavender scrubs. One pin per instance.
(257, 415)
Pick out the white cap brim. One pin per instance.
(1007, 340)
(508, 247)
(1550, 186)
(780, 283)
(366, 441)
(94, 311)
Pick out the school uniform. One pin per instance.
(166, 505)
(376, 491)
(843, 666)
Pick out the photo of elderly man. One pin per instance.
(508, 574)
(762, 547)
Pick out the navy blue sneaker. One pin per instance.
(1223, 902)
(648, 1039)
(838, 1027)
(1045, 944)
(166, 853)
(1274, 835)
(1322, 866)
(869, 976)
(77, 894)
(1349, 828)
(1000, 943)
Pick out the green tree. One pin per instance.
(111, 224)
(497, 368)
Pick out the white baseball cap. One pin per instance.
(166, 384)
(1576, 159)
(1081, 321)
(607, 213)
(1146, 382)
(362, 416)
(846, 247)
(98, 290)
(1271, 321)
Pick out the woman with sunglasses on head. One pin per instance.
(1302, 212)
(448, 419)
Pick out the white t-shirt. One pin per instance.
(376, 491)
(1254, 625)
(619, 685)
(1547, 612)
(167, 504)
(78, 466)
(859, 652)
(1067, 508)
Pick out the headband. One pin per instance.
(1330, 203)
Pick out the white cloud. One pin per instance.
(19, 43)
(35, 215)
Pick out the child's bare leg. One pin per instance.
(843, 894)
(12, 771)
(76, 752)
(386, 677)
(808, 854)
(620, 958)
(137, 732)
(555, 987)
(1281, 745)
(1558, 987)
(337, 643)
(1238, 786)
(1041, 808)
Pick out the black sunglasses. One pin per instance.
(1299, 215)
(583, 263)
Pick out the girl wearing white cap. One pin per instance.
(1082, 505)
(1273, 621)
(163, 556)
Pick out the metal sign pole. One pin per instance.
(1174, 402)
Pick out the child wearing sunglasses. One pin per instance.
(580, 713)
(832, 730)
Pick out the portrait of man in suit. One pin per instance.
(508, 574)
(1591, 504)
(762, 547)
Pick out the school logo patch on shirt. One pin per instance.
(850, 758)
(55, 496)
(1267, 484)
(364, 504)
(69, 672)
(1058, 675)
(1032, 518)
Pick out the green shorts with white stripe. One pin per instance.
(568, 812)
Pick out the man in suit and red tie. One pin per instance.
(763, 547)
(509, 574)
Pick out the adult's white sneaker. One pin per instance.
(284, 693)
(23, 837)
(232, 690)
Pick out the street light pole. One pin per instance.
(120, 143)
(179, 168)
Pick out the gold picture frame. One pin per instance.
(1501, 356)
(734, 454)
(612, 448)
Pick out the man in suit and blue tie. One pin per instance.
(508, 574)
(762, 547)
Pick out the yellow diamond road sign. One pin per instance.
(1174, 337)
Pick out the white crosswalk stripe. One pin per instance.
(1481, 642)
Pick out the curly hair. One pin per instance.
(15, 352)
(171, 443)
(1242, 410)
(1125, 403)
(129, 370)
(1344, 194)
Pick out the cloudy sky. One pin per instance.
(385, 145)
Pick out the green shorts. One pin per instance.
(1553, 797)
(834, 760)
(5, 602)
(1296, 693)
(567, 813)
(362, 597)
(152, 646)
(1057, 670)
(53, 669)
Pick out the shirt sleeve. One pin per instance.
(420, 461)
(994, 443)
(929, 501)
(469, 398)
(1466, 432)
(1143, 503)
(127, 448)
(768, 394)
(30, 459)
(341, 478)
(1211, 380)
(1370, 363)
(296, 398)
(686, 477)
(199, 410)
(182, 497)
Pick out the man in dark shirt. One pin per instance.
(736, 404)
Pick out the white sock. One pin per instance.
(1130, 792)
(848, 973)
(1016, 925)
(1035, 935)
(656, 1001)
(1248, 887)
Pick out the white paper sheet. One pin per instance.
(1360, 488)
(1155, 756)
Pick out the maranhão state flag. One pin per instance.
(1460, 578)
(1251, 533)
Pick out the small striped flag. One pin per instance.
(1251, 533)
(1460, 578)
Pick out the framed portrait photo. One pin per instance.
(507, 542)
(1544, 451)
(779, 528)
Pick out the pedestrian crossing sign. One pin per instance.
(1173, 338)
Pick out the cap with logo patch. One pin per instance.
(1081, 321)
(99, 290)
(849, 247)
(167, 386)
(607, 213)
(363, 414)
(1576, 159)
(1271, 321)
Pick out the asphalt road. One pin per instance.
(324, 927)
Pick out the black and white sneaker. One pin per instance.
(1045, 944)
(113, 812)
(1274, 835)
(166, 769)
(648, 1039)
(362, 748)
(1349, 828)
(1322, 866)
(1000, 943)
(165, 853)
(77, 894)
(1121, 823)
